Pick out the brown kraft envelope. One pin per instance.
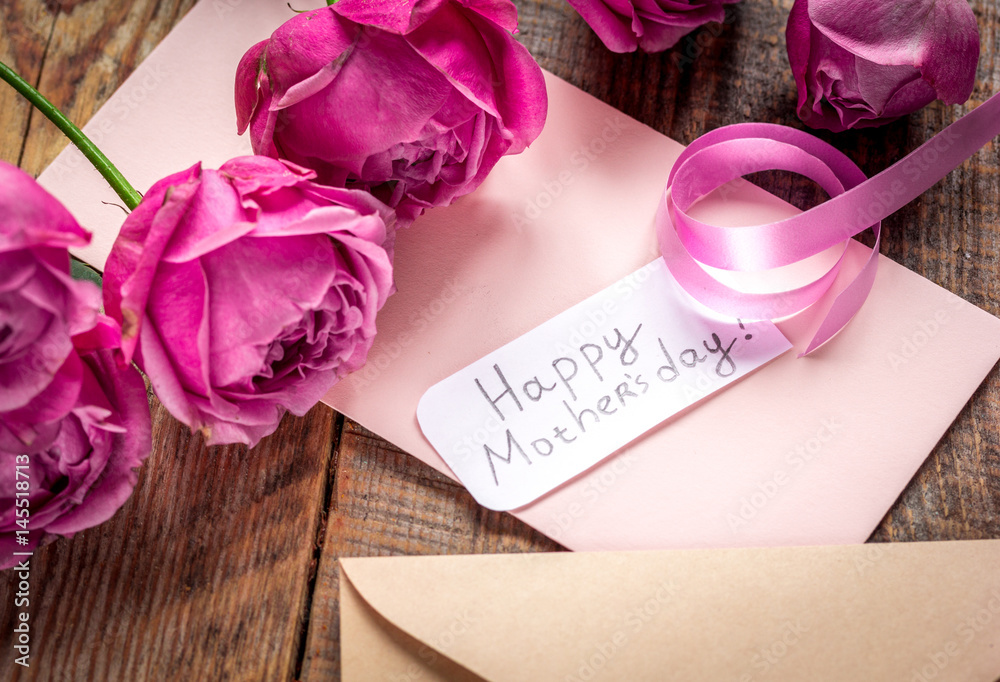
(912, 612)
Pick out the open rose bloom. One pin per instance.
(413, 101)
(647, 25)
(861, 63)
(248, 291)
(74, 424)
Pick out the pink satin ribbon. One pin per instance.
(857, 203)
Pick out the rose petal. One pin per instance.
(141, 242)
(129, 444)
(30, 216)
(938, 37)
(248, 96)
(614, 29)
(308, 49)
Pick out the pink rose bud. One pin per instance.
(649, 25)
(862, 63)
(248, 291)
(73, 423)
(413, 101)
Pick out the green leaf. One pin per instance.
(82, 271)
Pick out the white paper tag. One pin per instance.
(554, 402)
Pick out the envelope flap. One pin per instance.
(374, 648)
(852, 612)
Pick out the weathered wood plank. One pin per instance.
(25, 30)
(203, 574)
(385, 502)
(92, 50)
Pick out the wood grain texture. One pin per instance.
(206, 573)
(203, 574)
(25, 30)
(385, 503)
(91, 51)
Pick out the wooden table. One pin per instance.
(223, 564)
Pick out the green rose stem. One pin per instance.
(114, 177)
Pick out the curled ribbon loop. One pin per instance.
(856, 203)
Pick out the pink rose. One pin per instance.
(41, 306)
(413, 101)
(73, 424)
(248, 291)
(865, 63)
(649, 25)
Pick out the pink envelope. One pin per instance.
(804, 451)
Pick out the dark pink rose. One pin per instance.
(73, 423)
(865, 63)
(41, 306)
(413, 101)
(248, 291)
(648, 25)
